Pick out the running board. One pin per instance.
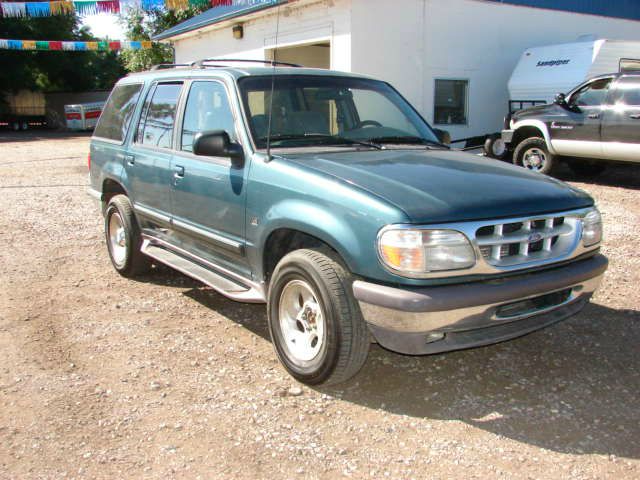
(219, 282)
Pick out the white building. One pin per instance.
(451, 58)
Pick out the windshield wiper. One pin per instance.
(405, 140)
(322, 136)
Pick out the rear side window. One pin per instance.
(628, 91)
(116, 116)
(156, 127)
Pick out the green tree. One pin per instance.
(54, 70)
(144, 24)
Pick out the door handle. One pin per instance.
(593, 115)
(635, 116)
(178, 171)
(131, 160)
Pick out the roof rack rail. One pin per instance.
(201, 63)
(163, 66)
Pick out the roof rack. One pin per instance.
(163, 66)
(201, 63)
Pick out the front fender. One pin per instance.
(538, 124)
(314, 220)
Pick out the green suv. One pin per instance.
(328, 197)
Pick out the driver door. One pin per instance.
(578, 132)
(208, 193)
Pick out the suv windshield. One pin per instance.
(323, 110)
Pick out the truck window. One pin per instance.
(627, 91)
(207, 109)
(116, 116)
(592, 95)
(157, 128)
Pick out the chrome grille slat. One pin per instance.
(510, 244)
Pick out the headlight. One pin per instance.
(415, 251)
(591, 228)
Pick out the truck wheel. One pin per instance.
(24, 126)
(532, 153)
(123, 238)
(15, 126)
(315, 323)
(494, 147)
(586, 169)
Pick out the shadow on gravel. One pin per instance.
(616, 175)
(571, 388)
(39, 134)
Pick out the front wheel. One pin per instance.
(533, 154)
(315, 323)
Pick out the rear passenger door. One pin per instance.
(621, 121)
(148, 161)
(208, 192)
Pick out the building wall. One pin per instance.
(482, 41)
(306, 21)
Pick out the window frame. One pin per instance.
(467, 104)
(133, 115)
(145, 110)
(180, 116)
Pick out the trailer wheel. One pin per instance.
(494, 147)
(15, 126)
(24, 126)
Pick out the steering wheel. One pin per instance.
(368, 123)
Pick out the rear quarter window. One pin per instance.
(116, 116)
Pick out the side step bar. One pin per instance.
(165, 253)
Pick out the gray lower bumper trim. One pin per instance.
(451, 297)
(415, 344)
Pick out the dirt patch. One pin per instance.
(102, 377)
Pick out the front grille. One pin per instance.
(513, 243)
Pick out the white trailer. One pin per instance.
(542, 72)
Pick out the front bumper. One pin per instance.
(507, 136)
(443, 318)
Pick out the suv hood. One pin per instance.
(437, 186)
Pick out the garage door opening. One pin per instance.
(316, 55)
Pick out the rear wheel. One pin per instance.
(533, 154)
(123, 238)
(315, 323)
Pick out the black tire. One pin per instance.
(132, 262)
(586, 169)
(346, 340)
(524, 155)
(494, 147)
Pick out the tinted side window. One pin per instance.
(157, 130)
(592, 95)
(207, 109)
(628, 91)
(116, 116)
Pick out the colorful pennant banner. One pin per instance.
(51, 45)
(91, 7)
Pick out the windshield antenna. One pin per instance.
(273, 84)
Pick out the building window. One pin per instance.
(450, 102)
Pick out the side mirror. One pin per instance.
(217, 143)
(560, 99)
(443, 136)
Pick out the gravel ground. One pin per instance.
(103, 377)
